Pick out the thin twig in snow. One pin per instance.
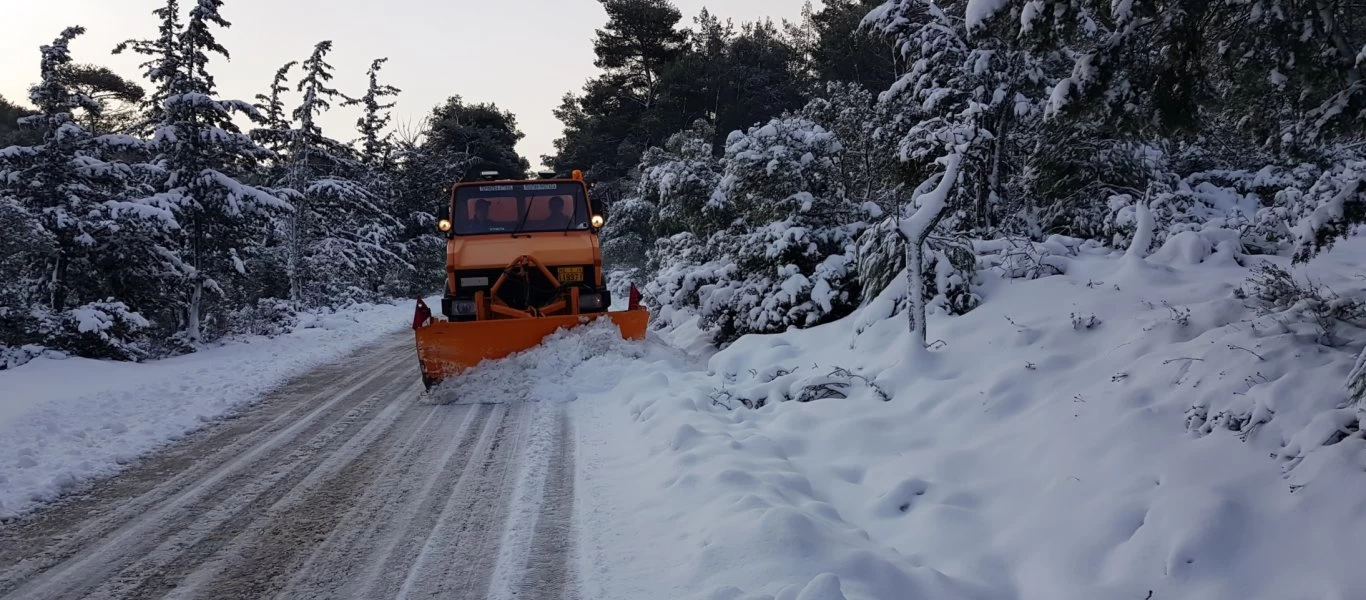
(1235, 347)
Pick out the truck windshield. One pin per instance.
(520, 208)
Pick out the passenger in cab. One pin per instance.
(559, 217)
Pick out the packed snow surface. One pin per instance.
(65, 421)
(1127, 430)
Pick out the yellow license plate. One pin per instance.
(570, 274)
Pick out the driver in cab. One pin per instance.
(560, 216)
(481, 221)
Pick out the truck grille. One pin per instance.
(516, 292)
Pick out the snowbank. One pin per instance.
(1128, 430)
(63, 422)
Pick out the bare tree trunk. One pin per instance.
(295, 245)
(915, 287)
(57, 296)
(915, 230)
(196, 298)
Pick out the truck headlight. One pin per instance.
(462, 307)
(593, 301)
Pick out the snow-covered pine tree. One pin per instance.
(376, 145)
(679, 180)
(203, 155)
(164, 66)
(90, 242)
(275, 123)
(24, 247)
(379, 159)
(340, 240)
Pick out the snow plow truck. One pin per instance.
(522, 261)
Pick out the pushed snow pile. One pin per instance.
(564, 363)
(1175, 427)
(64, 421)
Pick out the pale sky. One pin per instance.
(520, 54)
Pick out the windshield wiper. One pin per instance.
(522, 221)
(570, 222)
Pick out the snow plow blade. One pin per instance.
(446, 348)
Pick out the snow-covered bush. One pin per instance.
(1072, 179)
(1331, 208)
(678, 181)
(1021, 258)
(1276, 292)
(96, 330)
(785, 256)
(270, 317)
(628, 235)
(17, 356)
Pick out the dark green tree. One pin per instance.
(839, 49)
(10, 131)
(615, 119)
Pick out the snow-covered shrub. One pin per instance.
(270, 317)
(1021, 258)
(17, 356)
(628, 235)
(1074, 175)
(784, 275)
(97, 330)
(1272, 208)
(682, 266)
(781, 384)
(1184, 208)
(869, 133)
(785, 255)
(1331, 207)
(1275, 291)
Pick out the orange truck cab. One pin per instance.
(522, 261)
(493, 224)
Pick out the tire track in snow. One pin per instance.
(339, 485)
(538, 550)
(97, 549)
(352, 558)
(78, 520)
(259, 548)
(457, 552)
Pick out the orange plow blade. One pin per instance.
(446, 348)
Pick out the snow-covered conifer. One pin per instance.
(340, 240)
(67, 194)
(203, 155)
(376, 145)
(679, 179)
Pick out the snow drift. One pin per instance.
(1129, 429)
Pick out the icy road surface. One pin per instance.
(340, 485)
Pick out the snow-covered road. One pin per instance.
(342, 484)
